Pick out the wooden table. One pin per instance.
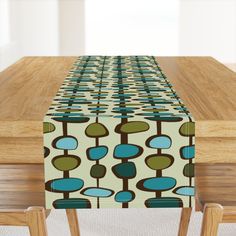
(206, 87)
(28, 87)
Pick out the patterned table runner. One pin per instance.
(117, 135)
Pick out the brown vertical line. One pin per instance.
(100, 87)
(190, 184)
(190, 140)
(97, 141)
(123, 137)
(97, 161)
(97, 121)
(66, 195)
(124, 140)
(190, 178)
(64, 129)
(66, 174)
(158, 124)
(158, 172)
(189, 201)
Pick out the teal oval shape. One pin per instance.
(66, 143)
(162, 141)
(97, 192)
(165, 119)
(125, 170)
(187, 152)
(97, 153)
(65, 185)
(127, 151)
(185, 191)
(72, 203)
(157, 184)
(69, 119)
(124, 196)
(164, 202)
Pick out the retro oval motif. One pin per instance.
(48, 127)
(164, 202)
(97, 153)
(65, 143)
(159, 162)
(62, 185)
(132, 127)
(125, 170)
(127, 151)
(97, 192)
(66, 163)
(157, 184)
(124, 196)
(159, 141)
(187, 152)
(96, 130)
(98, 171)
(187, 129)
(72, 203)
(185, 191)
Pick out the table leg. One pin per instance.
(73, 222)
(212, 216)
(36, 221)
(184, 221)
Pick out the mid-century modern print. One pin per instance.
(117, 135)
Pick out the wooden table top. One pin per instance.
(206, 87)
(28, 87)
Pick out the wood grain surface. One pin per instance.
(27, 89)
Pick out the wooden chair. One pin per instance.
(23, 186)
(22, 199)
(215, 197)
(35, 219)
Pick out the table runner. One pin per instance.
(118, 135)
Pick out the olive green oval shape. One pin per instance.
(96, 130)
(48, 127)
(66, 163)
(98, 171)
(132, 127)
(188, 170)
(187, 129)
(159, 162)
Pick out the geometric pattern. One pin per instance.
(118, 135)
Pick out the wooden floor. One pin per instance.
(23, 185)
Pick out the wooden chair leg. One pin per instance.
(36, 221)
(73, 222)
(184, 221)
(212, 216)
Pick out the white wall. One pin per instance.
(36, 25)
(33, 27)
(132, 27)
(44, 28)
(71, 27)
(170, 27)
(208, 27)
